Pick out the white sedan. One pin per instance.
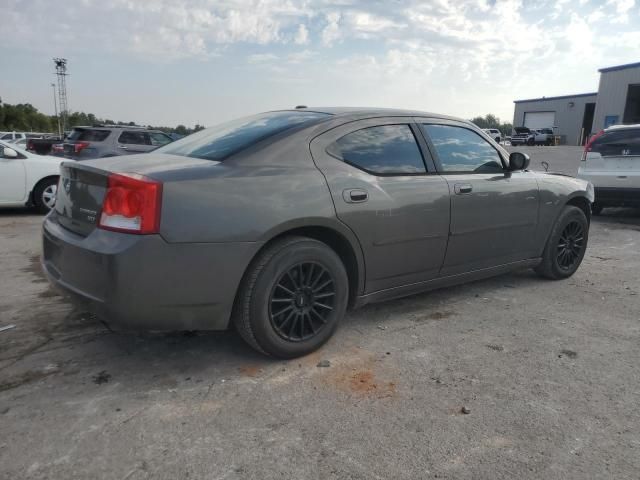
(27, 179)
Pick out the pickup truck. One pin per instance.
(527, 136)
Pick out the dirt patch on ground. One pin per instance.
(433, 316)
(361, 377)
(250, 370)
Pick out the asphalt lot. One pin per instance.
(548, 371)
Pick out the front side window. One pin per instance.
(219, 142)
(159, 139)
(381, 150)
(462, 150)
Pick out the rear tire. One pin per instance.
(292, 298)
(566, 245)
(44, 195)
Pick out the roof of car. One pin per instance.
(374, 112)
(622, 127)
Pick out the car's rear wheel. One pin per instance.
(566, 245)
(44, 195)
(292, 298)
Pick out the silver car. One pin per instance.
(279, 222)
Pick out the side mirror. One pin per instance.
(9, 153)
(518, 161)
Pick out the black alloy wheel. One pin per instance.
(301, 301)
(570, 245)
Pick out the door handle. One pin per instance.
(355, 195)
(462, 188)
(124, 147)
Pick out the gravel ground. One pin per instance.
(547, 371)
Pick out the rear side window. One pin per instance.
(7, 136)
(462, 150)
(134, 138)
(222, 141)
(381, 150)
(618, 143)
(88, 135)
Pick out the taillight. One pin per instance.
(588, 146)
(79, 146)
(131, 204)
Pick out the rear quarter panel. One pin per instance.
(250, 198)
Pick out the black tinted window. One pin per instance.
(88, 135)
(386, 150)
(133, 137)
(617, 143)
(219, 142)
(462, 150)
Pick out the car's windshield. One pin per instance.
(221, 141)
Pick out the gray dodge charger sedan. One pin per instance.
(279, 222)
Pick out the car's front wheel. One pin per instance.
(566, 245)
(292, 298)
(44, 195)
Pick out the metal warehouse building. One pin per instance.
(575, 117)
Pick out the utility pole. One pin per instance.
(61, 73)
(55, 109)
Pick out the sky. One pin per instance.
(169, 62)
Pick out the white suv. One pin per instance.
(611, 161)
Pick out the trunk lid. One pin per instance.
(83, 185)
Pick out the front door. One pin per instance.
(13, 187)
(389, 195)
(494, 212)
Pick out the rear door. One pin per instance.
(494, 212)
(614, 159)
(134, 141)
(388, 193)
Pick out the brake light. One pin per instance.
(588, 146)
(79, 146)
(131, 204)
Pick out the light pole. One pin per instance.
(55, 109)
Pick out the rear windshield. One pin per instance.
(88, 135)
(221, 141)
(618, 143)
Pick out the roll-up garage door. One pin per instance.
(539, 119)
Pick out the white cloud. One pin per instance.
(302, 35)
(622, 9)
(331, 31)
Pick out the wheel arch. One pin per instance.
(582, 203)
(333, 234)
(31, 200)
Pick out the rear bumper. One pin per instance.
(622, 197)
(141, 282)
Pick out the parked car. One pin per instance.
(27, 179)
(276, 223)
(493, 133)
(84, 143)
(611, 161)
(528, 136)
(43, 146)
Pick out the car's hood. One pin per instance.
(521, 130)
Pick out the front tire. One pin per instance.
(292, 298)
(566, 245)
(44, 195)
